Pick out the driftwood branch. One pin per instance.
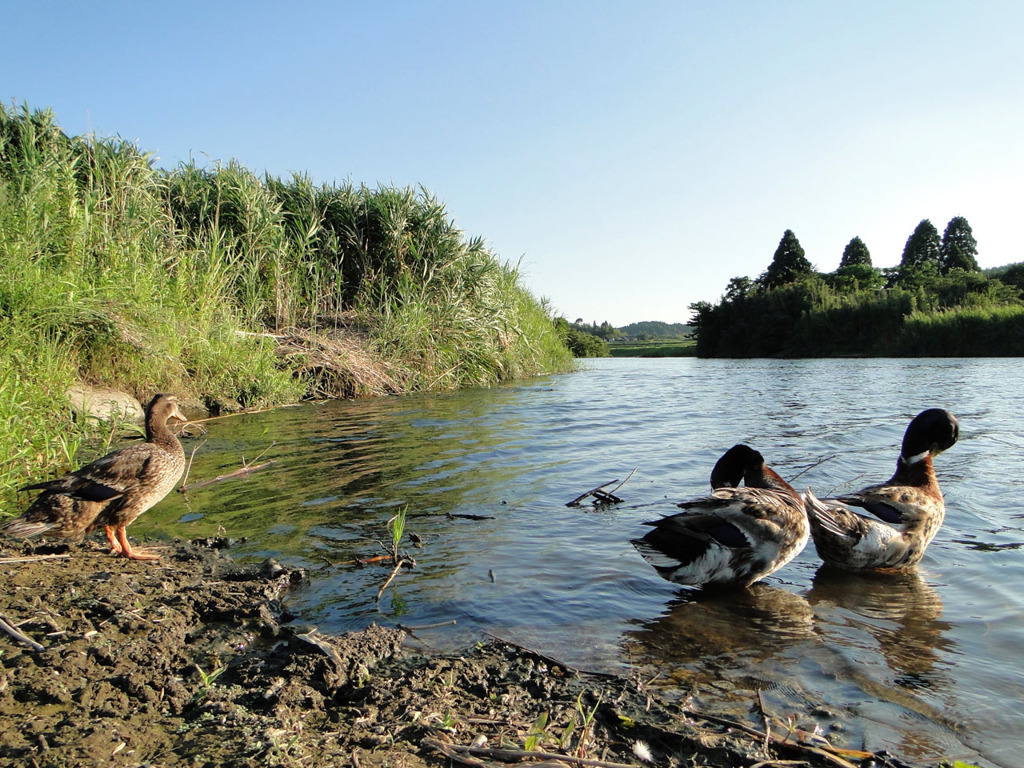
(241, 472)
(603, 496)
(592, 492)
(20, 636)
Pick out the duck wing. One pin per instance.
(737, 535)
(82, 488)
(846, 538)
(106, 478)
(885, 507)
(684, 538)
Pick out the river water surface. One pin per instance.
(925, 664)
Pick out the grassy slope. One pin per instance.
(229, 288)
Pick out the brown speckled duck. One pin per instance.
(891, 524)
(735, 536)
(111, 491)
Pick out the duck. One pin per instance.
(737, 535)
(113, 490)
(889, 525)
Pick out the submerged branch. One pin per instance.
(242, 472)
(394, 572)
(601, 495)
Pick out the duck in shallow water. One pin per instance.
(111, 491)
(737, 535)
(891, 524)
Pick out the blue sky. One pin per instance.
(634, 156)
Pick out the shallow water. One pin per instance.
(924, 664)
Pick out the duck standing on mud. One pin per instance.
(903, 514)
(734, 536)
(111, 491)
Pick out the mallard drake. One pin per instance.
(111, 491)
(735, 535)
(888, 525)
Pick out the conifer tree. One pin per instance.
(855, 253)
(855, 271)
(788, 264)
(959, 248)
(922, 255)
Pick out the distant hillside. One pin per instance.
(653, 329)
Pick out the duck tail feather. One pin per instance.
(822, 514)
(24, 529)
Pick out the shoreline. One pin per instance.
(194, 661)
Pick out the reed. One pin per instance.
(120, 273)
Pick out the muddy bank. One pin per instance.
(193, 661)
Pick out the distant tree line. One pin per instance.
(654, 329)
(936, 302)
(591, 340)
(581, 339)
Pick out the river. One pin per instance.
(925, 664)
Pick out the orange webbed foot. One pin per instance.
(115, 548)
(132, 554)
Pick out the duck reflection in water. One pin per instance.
(706, 636)
(900, 611)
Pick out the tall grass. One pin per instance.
(115, 272)
(959, 314)
(964, 332)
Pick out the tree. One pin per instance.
(789, 263)
(1014, 276)
(959, 248)
(739, 288)
(855, 253)
(922, 256)
(855, 272)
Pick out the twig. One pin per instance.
(261, 453)
(812, 466)
(413, 630)
(184, 482)
(394, 572)
(831, 755)
(591, 492)
(764, 719)
(242, 413)
(242, 472)
(274, 336)
(363, 560)
(628, 478)
(549, 659)
(458, 752)
(32, 558)
(20, 636)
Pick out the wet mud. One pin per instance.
(194, 661)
